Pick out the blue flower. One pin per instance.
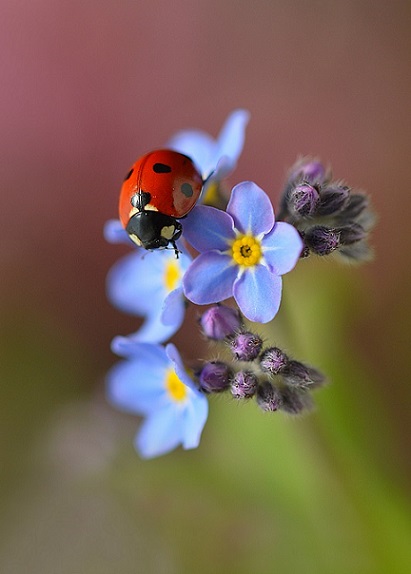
(214, 156)
(243, 253)
(149, 284)
(153, 382)
(114, 232)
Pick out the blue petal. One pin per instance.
(208, 228)
(207, 152)
(160, 433)
(114, 232)
(137, 387)
(258, 294)
(198, 145)
(251, 209)
(210, 278)
(153, 330)
(135, 283)
(230, 141)
(179, 367)
(131, 346)
(174, 307)
(282, 248)
(195, 417)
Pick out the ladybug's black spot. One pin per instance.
(129, 174)
(187, 190)
(161, 168)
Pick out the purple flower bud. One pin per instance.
(246, 346)
(220, 321)
(359, 251)
(273, 360)
(215, 377)
(299, 375)
(355, 206)
(268, 397)
(304, 199)
(333, 199)
(244, 385)
(322, 240)
(351, 234)
(295, 401)
(309, 170)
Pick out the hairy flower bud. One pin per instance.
(322, 240)
(357, 203)
(333, 199)
(304, 199)
(268, 397)
(273, 360)
(246, 346)
(294, 401)
(351, 234)
(309, 170)
(244, 385)
(220, 322)
(215, 377)
(299, 375)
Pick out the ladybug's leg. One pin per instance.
(176, 250)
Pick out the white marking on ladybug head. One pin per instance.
(134, 210)
(135, 239)
(168, 232)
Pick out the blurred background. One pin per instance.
(87, 87)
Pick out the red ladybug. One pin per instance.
(161, 187)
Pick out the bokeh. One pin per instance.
(87, 87)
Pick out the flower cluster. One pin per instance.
(231, 248)
(252, 370)
(329, 215)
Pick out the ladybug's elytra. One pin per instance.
(161, 187)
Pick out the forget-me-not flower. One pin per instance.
(214, 156)
(243, 253)
(149, 284)
(153, 382)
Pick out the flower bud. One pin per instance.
(304, 199)
(273, 360)
(295, 401)
(355, 206)
(322, 240)
(220, 322)
(351, 234)
(333, 199)
(215, 377)
(299, 375)
(244, 385)
(268, 397)
(246, 346)
(309, 170)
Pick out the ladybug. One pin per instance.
(161, 187)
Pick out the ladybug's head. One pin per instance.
(153, 230)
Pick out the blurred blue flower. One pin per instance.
(114, 232)
(153, 382)
(214, 156)
(243, 253)
(149, 284)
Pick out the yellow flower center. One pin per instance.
(175, 388)
(172, 274)
(246, 250)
